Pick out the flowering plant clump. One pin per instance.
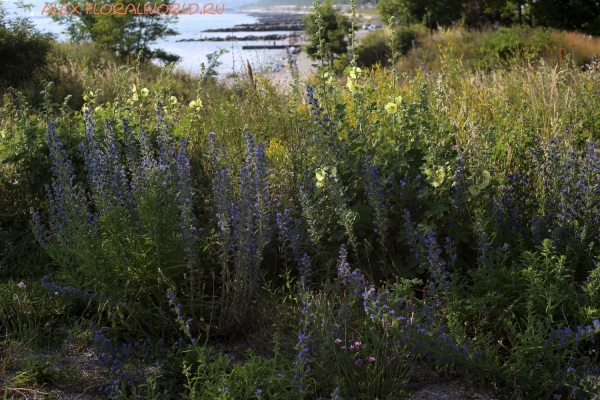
(136, 198)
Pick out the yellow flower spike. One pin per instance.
(391, 108)
(173, 100)
(144, 92)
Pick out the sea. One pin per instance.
(189, 27)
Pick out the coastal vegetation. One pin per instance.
(165, 235)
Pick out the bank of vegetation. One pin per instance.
(175, 237)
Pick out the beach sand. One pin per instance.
(284, 78)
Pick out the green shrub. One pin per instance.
(375, 47)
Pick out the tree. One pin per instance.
(124, 31)
(23, 48)
(326, 24)
(572, 15)
(431, 12)
(399, 9)
(437, 12)
(507, 8)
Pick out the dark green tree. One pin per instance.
(511, 10)
(23, 50)
(399, 9)
(125, 33)
(431, 12)
(572, 15)
(326, 24)
(437, 12)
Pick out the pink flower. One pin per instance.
(357, 344)
(372, 359)
(21, 285)
(338, 340)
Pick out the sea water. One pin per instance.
(190, 27)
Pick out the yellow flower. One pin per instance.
(320, 175)
(135, 97)
(439, 176)
(173, 100)
(134, 89)
(399, 100)
(352, 86)
(145, 92)
(327, 77)
(197, 104)
(474, 190)
(355, 72)
(391, 108)
(98, 109)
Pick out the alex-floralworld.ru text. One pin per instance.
(139, 8)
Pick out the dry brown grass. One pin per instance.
(580, 46)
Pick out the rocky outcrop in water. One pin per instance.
(230, 38)
(268, 22)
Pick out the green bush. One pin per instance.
(375, 47)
